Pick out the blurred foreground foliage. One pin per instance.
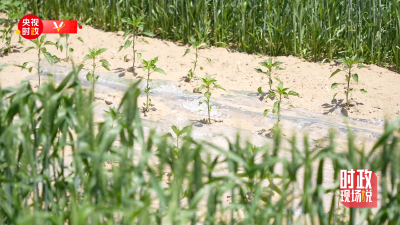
(53, 157)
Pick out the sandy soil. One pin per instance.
(233, 71)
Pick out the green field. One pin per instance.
(316, 30)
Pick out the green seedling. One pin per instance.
(91, 75)
(41, 50)
(14, 11)
(280, 92)
(135, 27)
(150, 67)
(180, 132)
(60, 44)
(207, 82)
(349, 63)
(196, 45)
(271, 68)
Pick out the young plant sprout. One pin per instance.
(150, 67)
(91, 75)
(207, 82)
(279, 92)
(135, 28)
(39, 46)
(14, 11)
(271, 67)
(349, 63)
(196, 45)
(60, 44)
(180, 132)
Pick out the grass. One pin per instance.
(315, 30)
(37, 185)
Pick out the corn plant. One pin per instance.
(150, 67)
(65, 45)
(93, 56)
(196, 45)
(349, 63)
(280, 93)
(271, 68)
(41, 50)
(207, 82)
(14, 11)
(135, 28)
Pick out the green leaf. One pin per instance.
(89, 77)
(291, 106)
(120, 47)
(101, 50)
(105, 62)
(48, 57)
(56, 58)
(28, 48)
(49, 43)
(144, 40)
(207, 95)
(80, 39)
(175, 129)
(361, 66)
(208, 59)
(355, 77)
(219, 87)
(334, 73)
(127, 43)
(126, 33)
(159, 70)
(201, 87)
(276, 107)
(260, 90)
(265, 112)
(334, 96)
(363, 91)
(105, 66)
(334, 85)
(293, 93)
(258, 70)
(201, 68)
(71, 50)
(86, 57)
(276, 63)
(42, 38)
(148, 33)
(43, 49)
(186, 52)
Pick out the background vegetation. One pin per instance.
(316, 30)
(154, 181)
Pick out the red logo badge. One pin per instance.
(30, 27)
(358, 188)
